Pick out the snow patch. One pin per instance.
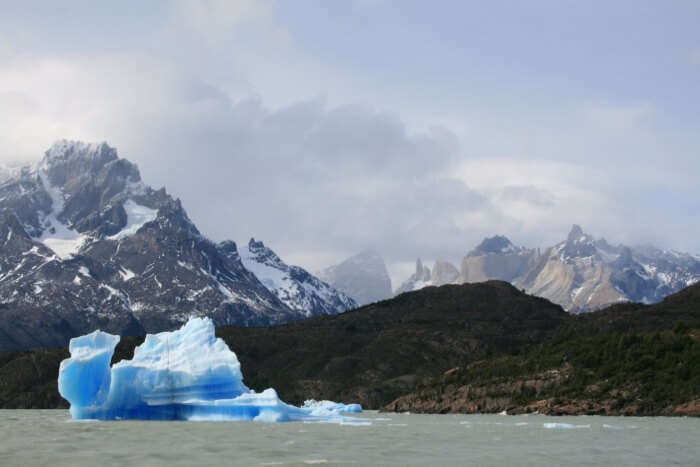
(126, 274)
(112, 291)
(136, 217)
(58, 237)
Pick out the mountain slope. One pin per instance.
(583, 273)
(483, 347)
(363, 277)
(86, 244)
(294, 286)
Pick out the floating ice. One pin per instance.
(187, 374)
(564, 426)
(330, 407)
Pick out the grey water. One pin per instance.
(51, 438)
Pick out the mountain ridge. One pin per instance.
(581, 273)
(86, 244)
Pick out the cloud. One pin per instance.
(528, 194)
(617, 117)
(306, 177)
(695, 57)
(319, 181)
(217, 20)
(261, 134)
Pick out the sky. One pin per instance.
(414, 128)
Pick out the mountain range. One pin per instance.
(85, 244)
(581, 273)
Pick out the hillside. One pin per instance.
(483, 347)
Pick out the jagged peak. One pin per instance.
(576, 231)
(69, 149)
(257, 249)
(422, 271)
(229, 246)
(255, 245)
(577, 235)
(498, 244)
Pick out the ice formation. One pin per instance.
(187, 374)
(330, 407)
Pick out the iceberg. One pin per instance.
(187, 374)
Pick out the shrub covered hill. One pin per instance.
(484, 347)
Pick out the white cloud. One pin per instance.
(217, 20)
(617, 117)
(222, 106)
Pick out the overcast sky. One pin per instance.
(412, 127)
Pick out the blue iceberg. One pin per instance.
(187, 374)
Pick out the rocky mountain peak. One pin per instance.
(363, 277)
(263, 254)
(87, 245)
(293, 285)
(497, 244)
(71, 163)
(64, 150)
(578, 244)
(422, 272)
(254, 245)
(575, 233)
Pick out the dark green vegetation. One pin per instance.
(459, 348)
(628, 359)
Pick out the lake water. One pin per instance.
(50, 438)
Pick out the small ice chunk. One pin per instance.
(330, 407)
(564, 426)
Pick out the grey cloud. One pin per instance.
(308, 176)
(528, 194)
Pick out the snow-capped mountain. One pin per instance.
(85, 244)
(294, 286)
(584, 273)
(581, 273)
(363, 277)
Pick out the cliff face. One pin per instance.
(362, 277)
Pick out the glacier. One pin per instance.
(187, 374)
